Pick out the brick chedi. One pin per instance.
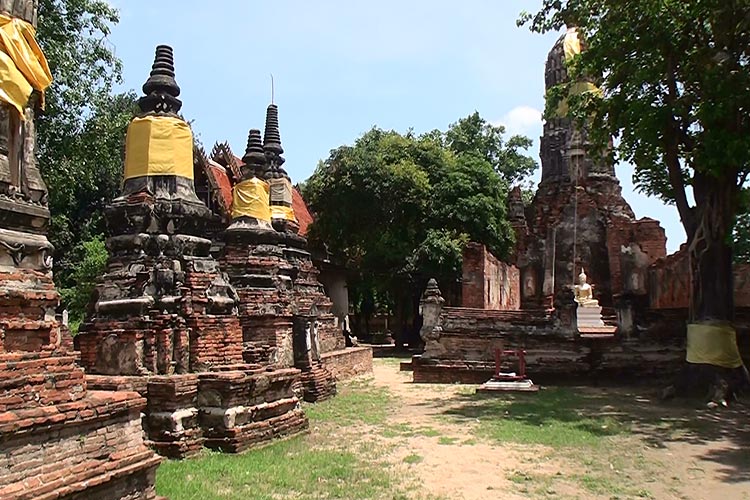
(257, 259)
(308, 291)
(578, 218)
(164, 316)
(254, 260)
(59, 439)
(309, 297)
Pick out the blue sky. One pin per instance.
(341, 67)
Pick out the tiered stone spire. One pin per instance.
(161, 88)
(59, 439)
(255, 158)
(272, 143)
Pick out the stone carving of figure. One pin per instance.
(584, 293)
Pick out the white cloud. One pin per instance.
(521, 120)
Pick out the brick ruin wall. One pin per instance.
(62, 441)
(488, 283)
(469, 337)
(348, 363)
(645, 237)
(669, 283)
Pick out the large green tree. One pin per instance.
(81, 135)
(400, 208)
(675, 92)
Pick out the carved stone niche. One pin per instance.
(23, 194)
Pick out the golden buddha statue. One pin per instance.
(584, 293)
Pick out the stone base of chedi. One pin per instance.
(316, 383)
(59, 439)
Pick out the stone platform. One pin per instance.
(464, 350)
(348, 362)
(61, 441)
(230, 410)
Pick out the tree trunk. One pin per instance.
(712, 278)
(712, 287)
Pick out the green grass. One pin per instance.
(413, 458)
(447, 440)
(284, 470)
(556, 417)
(357, 402)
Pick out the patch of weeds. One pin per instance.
(519, 477)
(469, 442)
(428, 432)
(357, 402)
(288, 469)
(447, 440)
(556, 417)
(413, 458)
(400, 429)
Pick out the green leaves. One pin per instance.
(90, 259)
(81, 134)
(401, 208)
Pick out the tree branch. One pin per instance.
(671, 154)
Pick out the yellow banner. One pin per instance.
(714, 345)
(283, 212)
(250, 199)
(158, 145)
(23, 66)
(576, 89)
(571, 44)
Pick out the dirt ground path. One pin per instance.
(447, 461)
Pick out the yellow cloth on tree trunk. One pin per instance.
(714, 345)
(158, 145)
(250, 199)
(283, 212)
(23, 66)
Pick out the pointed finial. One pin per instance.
(161, 88)
(432, 292)
(271, 88)
(254, 159)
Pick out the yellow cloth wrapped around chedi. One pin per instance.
(281, 197)
(23, 66)
(571, 48)
(250, 199)
(283, 212)
(158, 145)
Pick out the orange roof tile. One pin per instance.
(222, 180)
(304, 218)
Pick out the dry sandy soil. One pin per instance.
(670, 451)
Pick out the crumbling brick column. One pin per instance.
(59, 439)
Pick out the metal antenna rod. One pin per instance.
(271, 88)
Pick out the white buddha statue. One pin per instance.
(584, 293)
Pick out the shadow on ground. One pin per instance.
(635, 410)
